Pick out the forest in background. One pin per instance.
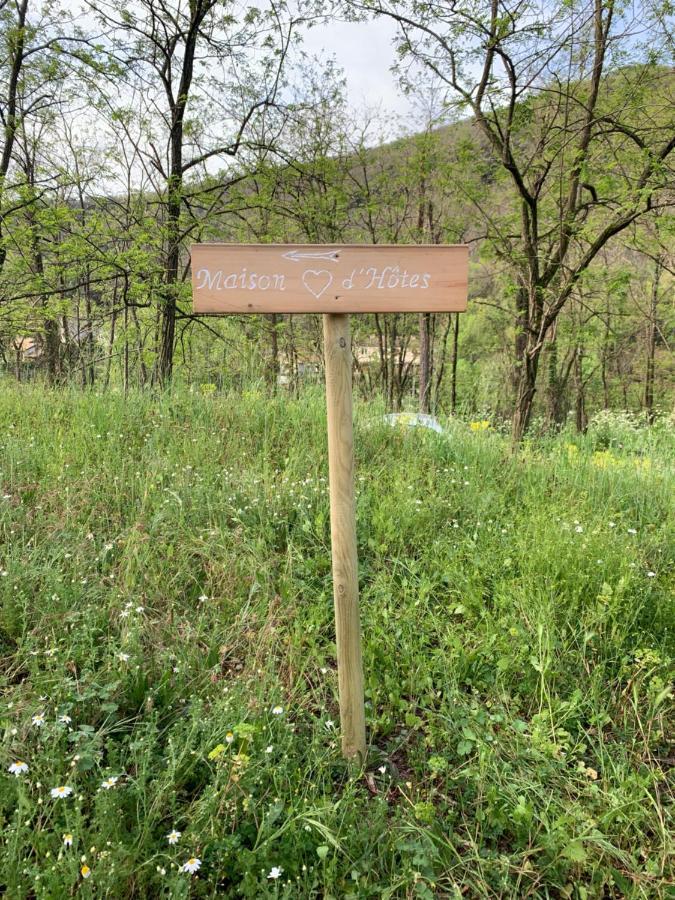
(545, 139)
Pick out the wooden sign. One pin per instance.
(328, 278)
(334, 279)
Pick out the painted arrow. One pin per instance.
(297, 255)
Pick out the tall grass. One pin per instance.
(165, 586)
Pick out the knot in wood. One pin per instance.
(343, 343)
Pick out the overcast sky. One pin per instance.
(364, 51)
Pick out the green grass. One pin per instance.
(518, 655)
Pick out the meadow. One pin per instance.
(169, 698)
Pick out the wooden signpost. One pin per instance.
(334, 279)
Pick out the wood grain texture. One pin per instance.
(328, 278)
(338, 356)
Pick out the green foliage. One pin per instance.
(165, 586)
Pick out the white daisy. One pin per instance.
(65, 719)
(123, 657)
(85, 871)
(18, 768)
(68, 840)
(38, 720)
(277, 710)
(110, 782)
(193, 865)
(275, 872)
(62, 790)
(173, 836)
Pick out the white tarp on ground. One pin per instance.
(413, 420)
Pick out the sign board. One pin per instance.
(329, 278)
(334, 279)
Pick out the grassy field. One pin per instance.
(166, 635)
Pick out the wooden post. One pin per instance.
(338, 355)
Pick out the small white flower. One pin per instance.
(38, 720)
(65, 719)
(275, 872)
(277, 710)
(203, 598)
(382, 770)
(229, 737)
(140, 609)
(579, 529)
(173, 836)
(67, 840)
(330, 724)
(612, 524)
(192, 865)
(110, 782)
(123, 657)
(651, 574)
(63, 790)
(85, 871)
(269, 749)
(18, 768)
(632, 531)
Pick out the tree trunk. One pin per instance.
(111, 343)
(9, 119)
(651, 342)
(556, 386)
(605, 357)
(581, 418)
(89, 337)
(272, 369)
(52, 349)
(455, 358)
(143, 369)
(526, 390)
(425, 362)
(520, 343)
(167, 327)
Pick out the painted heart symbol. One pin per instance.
(317, 281)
